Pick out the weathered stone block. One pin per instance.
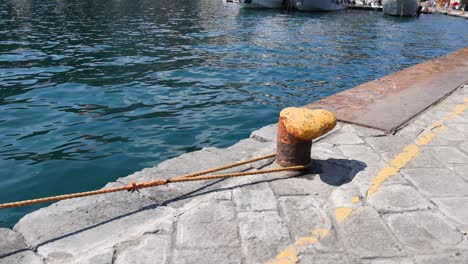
(411, 130)
(455, 208)
(362, 153)
(398, 198)
(208, 256)
(91, 240)
(304, 185)
(436, 181)
(363, 179)
(462, 128)
(13, 249)
(365, 132)
(431, 116)
(11, 242)
(461, 170)
(208, 225)
(326, 258)
(25, 257)
(75, 226)
(425, 159)
(240, 182)
(388, 261)
(325, 151)
(257, 197)
(344, 138)
(464, 146)
(247, 147)
(303, 214)
(102, 256)
(304, 217)
(204, 159)
(147, 249)
(263, 235)
(177, 194)
(346, 196)
(223, 195)
(423, 232)
(367, 236)
(266, 133)
(452, 258)
(449, 137)
(461, 119)
(388, 146)
(449, 155)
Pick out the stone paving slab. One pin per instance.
(327, 214)
(399, 198)
(367, 236)
(424, 232)
(14, 250)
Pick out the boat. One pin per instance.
(301, 5)
(262, 3)
(319, 5)
(400, 7)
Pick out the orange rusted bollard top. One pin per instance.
(296, 129)
(306, 124)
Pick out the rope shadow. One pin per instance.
(8, 254)
(345, 171)
(333, 172)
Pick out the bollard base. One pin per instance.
(296, 129)
(293, 154)
(291, 151)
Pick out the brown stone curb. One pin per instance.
(390, 102)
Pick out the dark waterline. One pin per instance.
(95, 90)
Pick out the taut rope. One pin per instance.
(198, 176)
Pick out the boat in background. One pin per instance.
(301, 5)
(262, 3)
(400, 7)
(319, 5)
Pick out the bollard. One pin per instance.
(296, 129)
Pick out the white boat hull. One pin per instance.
(400, 7)
(319, 5)
(262, 3)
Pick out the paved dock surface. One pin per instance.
(370, 198)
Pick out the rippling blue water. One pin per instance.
(92, 90)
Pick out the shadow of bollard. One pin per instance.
(337, 172)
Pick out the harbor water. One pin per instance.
(93, 90)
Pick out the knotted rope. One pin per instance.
(198, 176)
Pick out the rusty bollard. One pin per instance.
(296, 129)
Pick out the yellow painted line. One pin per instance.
(355, 199)
(291, 254)
(412, 151)
(342, 213)
(459, 109)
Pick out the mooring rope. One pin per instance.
(230, 166)
(198, 176)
